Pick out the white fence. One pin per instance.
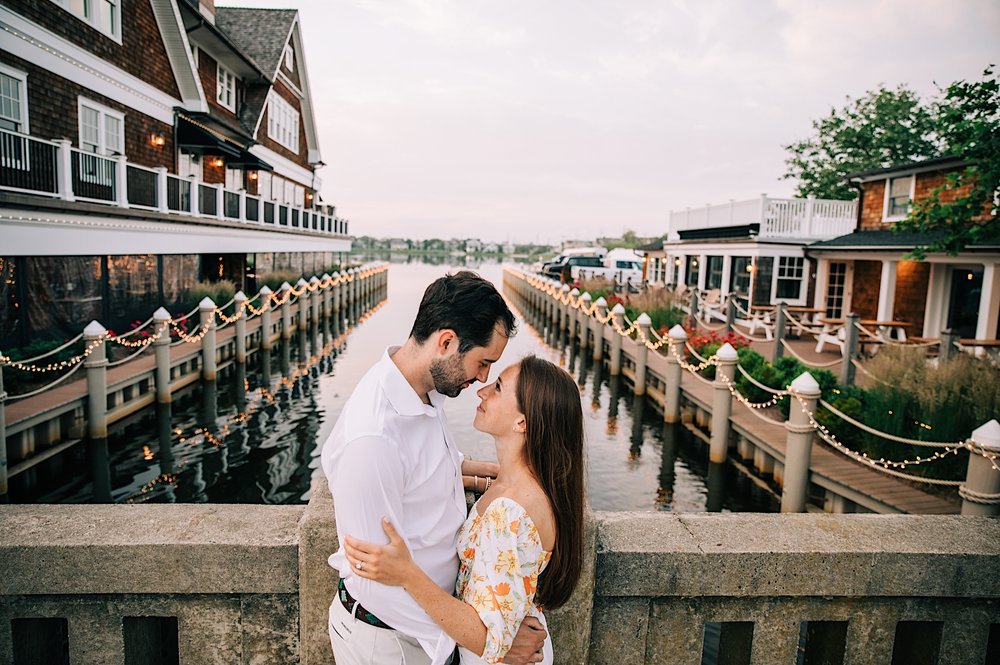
(806, 219)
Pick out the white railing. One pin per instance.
(804, 219)
(30, 165)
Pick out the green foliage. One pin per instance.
(881, 129)
(220, 292)
(629, 240)
(968, 121)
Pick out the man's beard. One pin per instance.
(449, 375)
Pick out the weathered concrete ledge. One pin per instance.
(251, 584)
(148, 549)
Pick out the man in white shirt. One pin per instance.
(391, 454)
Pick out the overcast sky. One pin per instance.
(543, 120)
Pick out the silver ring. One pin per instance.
(359, 565)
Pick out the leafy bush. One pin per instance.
(220, 292)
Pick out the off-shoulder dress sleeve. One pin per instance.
(504, 575)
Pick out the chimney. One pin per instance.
(207, 9)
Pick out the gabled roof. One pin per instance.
(934, 164)
(259, 33)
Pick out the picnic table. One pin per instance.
(832, 332)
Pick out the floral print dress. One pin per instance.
(500, 555)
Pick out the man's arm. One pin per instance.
(527, 646)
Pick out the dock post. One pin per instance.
(161, 349)
(722, 402)
(206, 310)
(571, 313)
(286, 310)
(584, 319)
(672, 399)
(949, 341)
(780, 322)
(641, 353)
(265, 318)
(3, 435)
(96, 366)
(600, 313)
(981, 491)
(305, 298)
(798, 449)
(847, 369)
(617, 313)
(327, 291)
(240, 310)
(730, 312)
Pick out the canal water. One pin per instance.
(255, 436)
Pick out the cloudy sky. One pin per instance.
(550, 119)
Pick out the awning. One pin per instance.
(203, 136)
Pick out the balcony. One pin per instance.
(791, 219)
(55, 169)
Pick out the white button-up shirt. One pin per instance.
(392, 455)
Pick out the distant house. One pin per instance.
(747, 247)
(473, 246)
(399, 245)
(864, 271)
(145, 146)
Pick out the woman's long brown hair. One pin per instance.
(550, 401)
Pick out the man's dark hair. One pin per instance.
(467, 304)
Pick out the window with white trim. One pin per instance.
(283, 122)
(289, 58)
(899, 192)
(102, 15)
(13, 100)
(102, 130)
(225, 88)
(791, 270)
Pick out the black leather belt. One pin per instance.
(350, 604)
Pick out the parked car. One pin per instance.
(547, 267)
(622, 266)
(564, 270)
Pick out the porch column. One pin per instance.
(887, 291)
(702, 271)
(679, 269)
(727, 275)
(989, 303)
(822, 283)
(934, 321)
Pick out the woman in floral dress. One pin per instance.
(520, 548)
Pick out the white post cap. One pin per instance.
(161, 315)
(565, 288)
(644, 320)
(727, 353)
(805, 384)
(94, 329)
(601, 302)
(326, 276)
(206, 303)
(678, 332)
(618, 309)
(586, 297)
(987, 436)
(575, 292)
(240, 296)
(265, 290)
(313, 279)
(285, 286)
(301, 282)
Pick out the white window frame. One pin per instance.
(288, 57)
(781, 272)
(94, 13)
(886, 218)
(225, 84)
(283, 123)
(21, 77)
(104, 112)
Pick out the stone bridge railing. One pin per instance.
(250, 584)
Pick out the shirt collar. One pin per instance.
(402, 396)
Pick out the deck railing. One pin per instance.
(55, 169)
(807, 219)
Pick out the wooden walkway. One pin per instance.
(829, 469)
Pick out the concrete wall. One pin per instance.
(250, 584)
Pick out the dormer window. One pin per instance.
(899, 194)
(283, 122)
(226, 88)
(289, 58)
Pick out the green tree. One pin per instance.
(963, 211)
(881, 129)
